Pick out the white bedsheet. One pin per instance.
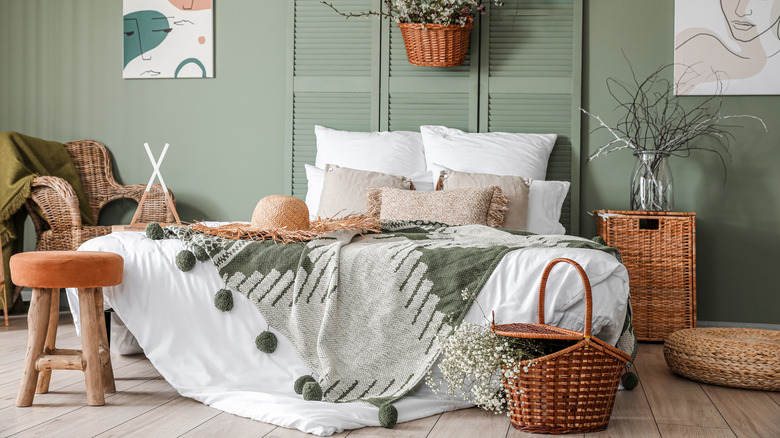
(210, 356)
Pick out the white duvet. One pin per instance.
(210, 356)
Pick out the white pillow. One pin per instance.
(315, 178)
(497, 153)
(545, 201)
(398, 153)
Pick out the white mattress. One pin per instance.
(210, 356)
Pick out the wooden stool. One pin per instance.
(46, 272)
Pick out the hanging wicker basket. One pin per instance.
(569, 391)
(436, 45)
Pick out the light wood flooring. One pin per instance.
(663, 405)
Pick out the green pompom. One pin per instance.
(200, 253)
(185, 260)
(154, 231)
(300, 381)
(312, 391)
(266, 342)
(223, 300)
(388, 416)
(629, 380)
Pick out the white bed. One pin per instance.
(210, 356)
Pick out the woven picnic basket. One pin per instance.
(436, 45)
(571, 390)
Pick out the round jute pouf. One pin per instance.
(737, 357)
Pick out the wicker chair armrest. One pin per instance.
(58, 202)
(155, 208)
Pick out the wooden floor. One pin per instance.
(663, 405)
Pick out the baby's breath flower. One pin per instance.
(472, 367)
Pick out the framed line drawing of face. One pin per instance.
(727, 46)
(168, 39)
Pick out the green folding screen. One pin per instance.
(522, 74)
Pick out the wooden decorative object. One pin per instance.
(436, 45)
(659, 251)
(569, 391)
(134, 224)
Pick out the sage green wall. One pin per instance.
(60, 78)
(737, 224)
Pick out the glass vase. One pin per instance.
(652, 186)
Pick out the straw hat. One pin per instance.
(285, 219)
(280, 211)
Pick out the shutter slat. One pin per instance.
(346, 111)
(532, 77)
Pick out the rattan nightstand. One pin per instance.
(659, 251)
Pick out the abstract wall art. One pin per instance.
(168, 39)
(727, 47)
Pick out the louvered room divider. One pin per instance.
(522, 74)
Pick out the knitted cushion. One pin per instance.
(483, 206)
(516, 189)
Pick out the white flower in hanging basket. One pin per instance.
(435, 32)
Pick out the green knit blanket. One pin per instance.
(368, 317)
(22, 158)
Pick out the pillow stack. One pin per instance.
(394, 167)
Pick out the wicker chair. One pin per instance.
(60, 228)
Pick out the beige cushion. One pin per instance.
(516, 189)
(484, 206)
(344, 189)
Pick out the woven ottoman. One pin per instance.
(736, 357)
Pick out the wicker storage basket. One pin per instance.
(738, 357)
(436, 45)
(659, 251)
(571, 390)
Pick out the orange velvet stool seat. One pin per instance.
(46, 272)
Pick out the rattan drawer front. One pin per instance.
(659, 251)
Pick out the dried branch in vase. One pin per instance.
(654, 120)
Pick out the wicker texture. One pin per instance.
(436, 45)
(280, 211)
(659, 251)
(737, 357)
(569, 391)
(60, 228)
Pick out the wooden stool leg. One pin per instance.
(37, 321)
(90, 341)
(5, 301)
(109, 387)
(51, 337)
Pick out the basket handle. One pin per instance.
(588, 294)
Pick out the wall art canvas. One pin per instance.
(728, 46)
(168, 39)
